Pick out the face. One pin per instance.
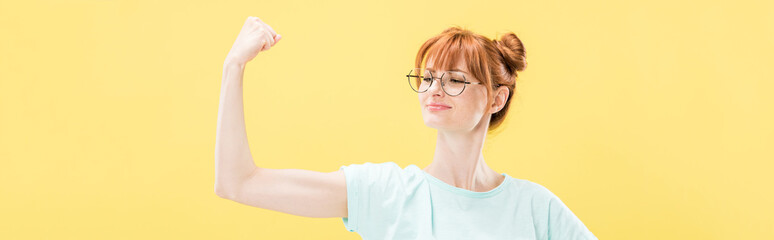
(463, 112)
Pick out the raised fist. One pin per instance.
(255, 36)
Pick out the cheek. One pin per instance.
(475, 104)
(472, 111)
(422, 100)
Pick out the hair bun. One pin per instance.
(513, 53)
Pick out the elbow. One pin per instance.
(223, 193)
(229, 188)
(219, 192)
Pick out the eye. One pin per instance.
(427, 79)
(457, 81)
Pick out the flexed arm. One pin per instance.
(233, 160)
(294, 191)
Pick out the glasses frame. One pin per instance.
(440, 79)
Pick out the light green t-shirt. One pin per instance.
(387, 202)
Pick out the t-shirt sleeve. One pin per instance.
(372, 193)
(554, 220)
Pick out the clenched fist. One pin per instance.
(255, 36)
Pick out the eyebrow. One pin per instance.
(452, 70)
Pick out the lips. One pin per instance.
(437, 107)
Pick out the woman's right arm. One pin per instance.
(294, 191)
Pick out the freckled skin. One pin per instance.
(467, 109)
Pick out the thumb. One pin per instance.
(276, 39)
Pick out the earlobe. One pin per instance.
(495, 109)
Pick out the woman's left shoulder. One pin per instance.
(534, 189)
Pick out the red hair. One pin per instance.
(494, 62)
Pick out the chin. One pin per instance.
(435, 123)
(447, 122)
(445, 126)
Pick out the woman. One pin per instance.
(465, 83)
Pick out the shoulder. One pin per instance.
(532, 189)
(552, 217)
(371, 165)
(384, 172)
(535, 195)
(372, 168)
(542, 191)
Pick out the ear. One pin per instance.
(500, 96)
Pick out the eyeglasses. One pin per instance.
(452, 83)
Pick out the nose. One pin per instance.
(436, 88)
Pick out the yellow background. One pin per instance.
(649, 119)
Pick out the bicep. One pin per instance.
(296, 191)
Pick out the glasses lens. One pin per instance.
(453, 83)
(419, 79)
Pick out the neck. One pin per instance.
(459, 161)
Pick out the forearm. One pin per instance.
(233, 160)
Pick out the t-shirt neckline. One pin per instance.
(465, 192)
